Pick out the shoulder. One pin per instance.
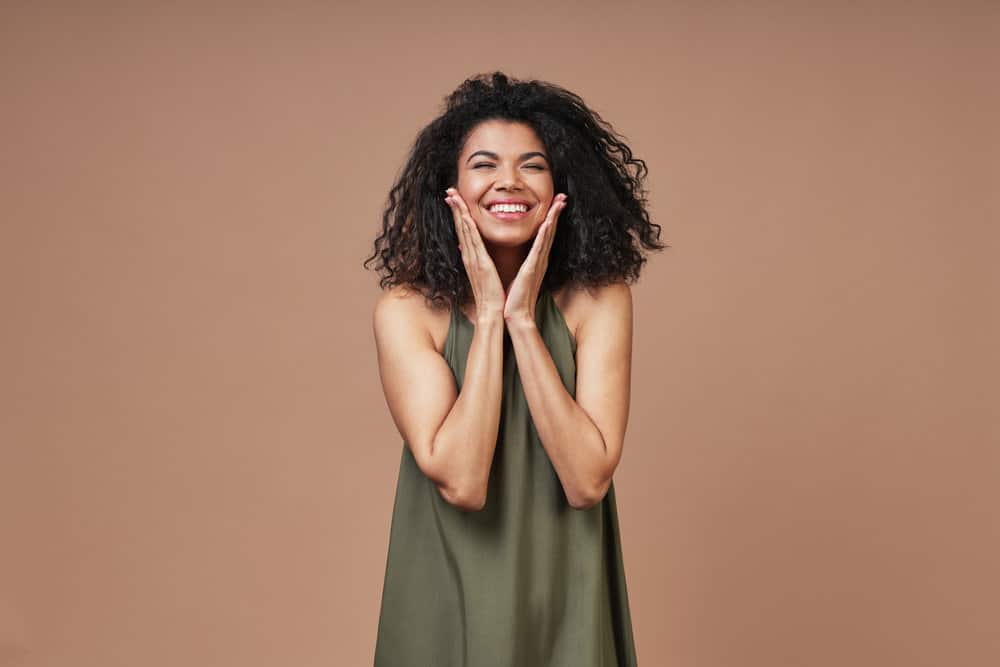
(399, 305)
(590, 309)
(402, 309)
(395, 300)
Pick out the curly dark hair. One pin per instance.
(605, 220)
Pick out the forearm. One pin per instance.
(572, 441)
(462, 452)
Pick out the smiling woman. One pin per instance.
(522, 213)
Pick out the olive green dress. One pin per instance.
(528, 581)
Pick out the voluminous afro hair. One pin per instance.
(600, 230)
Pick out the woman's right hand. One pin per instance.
(479, 266)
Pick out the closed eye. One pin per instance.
(527, 166)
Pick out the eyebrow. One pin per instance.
(494, 156)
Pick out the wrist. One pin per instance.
(520, 322)
(489, 316)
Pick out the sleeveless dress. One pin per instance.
(528, 581)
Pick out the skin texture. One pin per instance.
(453, 436)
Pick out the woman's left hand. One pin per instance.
(522, 293)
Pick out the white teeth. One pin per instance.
(509, 208)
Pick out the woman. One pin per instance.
(504, 349)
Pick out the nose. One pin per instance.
(509, 180)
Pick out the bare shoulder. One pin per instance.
(402, 308)
(605, 304)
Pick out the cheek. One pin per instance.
(544, 187)
(470, 198)
(471, 191)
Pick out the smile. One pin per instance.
(509, 211)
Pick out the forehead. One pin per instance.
(502, 137)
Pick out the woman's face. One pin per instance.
(505, 161)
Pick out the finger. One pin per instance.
(558, 209)
(549, 234)
(473, 229)
(537, 245)
(450, 201)
(461, 212)
(463, 236)
(555, 222)
(553, 215)
(460, 234)
(468, 244)
(456, 220)
(558, 203)
(545, 229)
(463, 209)
(544, 233)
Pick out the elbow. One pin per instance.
(467, 500)
(584, 503)
(589, 498)
(465, 494)
(476, 504)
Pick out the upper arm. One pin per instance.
(418, 383)
(604, 367)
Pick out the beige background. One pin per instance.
(198, 465)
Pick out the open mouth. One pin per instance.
(509, 211)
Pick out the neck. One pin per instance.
(508, 261)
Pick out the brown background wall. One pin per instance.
(198, 465)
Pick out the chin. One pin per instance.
(510, 239)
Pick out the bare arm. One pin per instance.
(451, 434)
(584, 437)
